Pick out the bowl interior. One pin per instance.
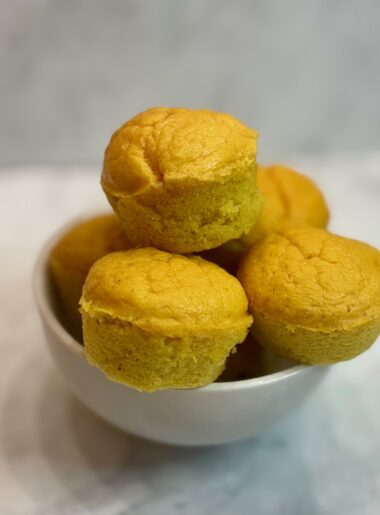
(267, 367)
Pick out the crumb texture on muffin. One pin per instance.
(182, 180)
(315, 296)
(171, 145)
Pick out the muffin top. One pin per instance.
(156, 290)
(311, 278)
(290, 199)
(88, 241)
(167, 146)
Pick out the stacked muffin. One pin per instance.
(155, 314)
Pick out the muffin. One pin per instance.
(315, 296)
(72, 257)
(155, 320)
(182, 180)
(290, 199)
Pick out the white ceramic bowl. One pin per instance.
(215, 414)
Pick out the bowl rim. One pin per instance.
(40, 277)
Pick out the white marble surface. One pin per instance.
(306, 74)
(56, 458)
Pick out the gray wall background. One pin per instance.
(306, 74)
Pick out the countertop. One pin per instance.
(57, 458)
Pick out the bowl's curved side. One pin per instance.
(184, 417)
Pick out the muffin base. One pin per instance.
(148, 362)
(311, 346)
(188, 219)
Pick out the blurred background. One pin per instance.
(305, 74)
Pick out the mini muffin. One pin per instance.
(154, 320)
(290, 199)
(73, 256)
(315, 297)
(182, 180)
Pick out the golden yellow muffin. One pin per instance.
(315, 296)
(154, 320)
(182, 180)
(75, 253)
(290, 199)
